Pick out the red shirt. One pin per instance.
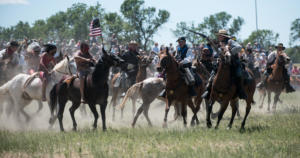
(46, 59)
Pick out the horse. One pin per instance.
(24, 88)
(148, 90)
(225, 92)
(275, 82)
(177, 90)
(96, 91)
(143, 63)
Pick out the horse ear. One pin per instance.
(104, 51)
(167, 51)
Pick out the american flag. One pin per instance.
(95, 29)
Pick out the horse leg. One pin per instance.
(103, 116)
(233, 104)
(269, 100)
(276, 99)
(60, 115)
(209, 105)
(238, 109)
(198, 102)
(263, 99)
(40, 107)
(140, 110)
(94, 111)
(27, 117)
(168, 104)
(72, 111)
(133, 99)
(224, 106)
(146, 110)
(248, 108)
(184, 113)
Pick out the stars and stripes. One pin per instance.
(95, 29)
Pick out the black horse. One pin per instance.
(96, 91)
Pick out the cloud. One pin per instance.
(14, 2)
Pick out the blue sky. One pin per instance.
(276, 15)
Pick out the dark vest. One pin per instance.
(181, 53)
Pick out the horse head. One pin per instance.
(110, 59)
(165, 60)
(225, 57)
(66, 66)
(144, 61)
(282, 59)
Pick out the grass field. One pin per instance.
(267, 135)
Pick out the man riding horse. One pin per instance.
(184, 57)
(271, 59)
(233, 47)
(8, 58)
(131, 58)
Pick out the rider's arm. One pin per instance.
(42, 63)
(189, 57)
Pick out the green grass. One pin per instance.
(266, 135)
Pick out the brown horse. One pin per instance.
(275, 82)
(224, 91)
(144, 62)
(177, 90)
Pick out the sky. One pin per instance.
(276, 15)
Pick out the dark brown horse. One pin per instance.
(177, 90)
(224, 91)
(144, 62)
(96, 91)
(275, 82)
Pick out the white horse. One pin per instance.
(18, 95)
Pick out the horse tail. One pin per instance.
(53, 98)
(133, 90)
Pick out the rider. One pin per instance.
(227, 44)
(207, 57)
(83, 61)
(131, 58)
(47, 62)
(9, 53)
(184, 56)
(270, 62)
(32, 57)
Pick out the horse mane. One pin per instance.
(62, 64)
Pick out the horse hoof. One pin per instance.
(74, 129)
(242, 130)
(216, 127)
(209, 125)
(228, 128)
(165, 125)
(104, 129)
(192, 124)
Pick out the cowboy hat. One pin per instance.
(181, 39)
(280, 45)
(224, 33)
(133, 42)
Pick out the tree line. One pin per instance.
(138, 22)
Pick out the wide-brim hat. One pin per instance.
(223, 33)
(280, 45)
(133, 43)
(13, 44)
(181, 39)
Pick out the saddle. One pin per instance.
(69, 80)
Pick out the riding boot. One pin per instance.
(163, 93)
(208, 86)
(288, 87)
(240, 89)
(192, 91)
(44, 90)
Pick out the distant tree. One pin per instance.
(295, 31)
(142, 22)
(58, 27)
(6, 33)
(114, 25)
(294, 53)
(211, 25)
(265, 38)
(21, 30)
(39, 29)
(191, 37)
